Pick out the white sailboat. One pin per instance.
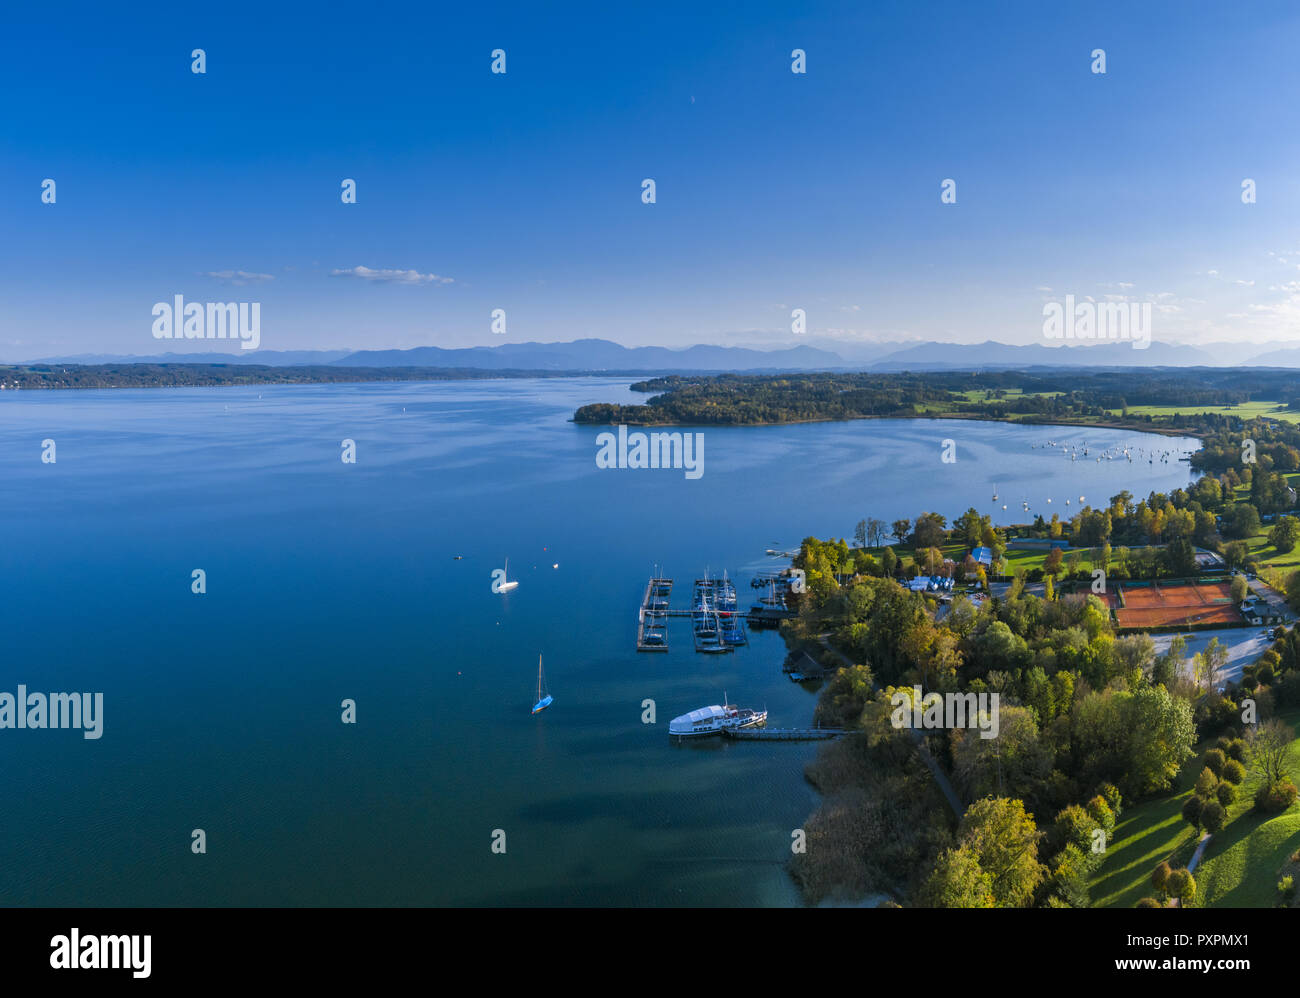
(506, 584)
(543, 698)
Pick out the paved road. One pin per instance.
(1245, 644)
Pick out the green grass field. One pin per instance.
(1246, 410)
(1240, 866)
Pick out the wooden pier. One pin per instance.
(651, 632)
(784, 734)
(718, 623)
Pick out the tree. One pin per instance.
(1160, 877)
(1215, 760)
(1170, 664)
(1201, 672)
(1052, 563)
(1241, 520)
(1180, 557)
(958, 881)
(1216, 657)
(1235, 554)
(1161, 736)
(970, 527)
(860, 533)
(1268, 742)
(1181, 885)
(1135, 651)
(901, 529)
(929, 531)
(1192, 811)
(1284, 534)
(844, 698)
(1213, 816)
(1015, 762)
(1239, 588)
(1005, 840)
(875, 531)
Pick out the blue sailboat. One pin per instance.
(543, 698)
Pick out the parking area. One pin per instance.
(1245, 644)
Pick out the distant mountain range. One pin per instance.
(817, 355)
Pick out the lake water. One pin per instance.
(328, 581)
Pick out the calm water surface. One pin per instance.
(329, 581)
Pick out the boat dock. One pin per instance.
(784, 734)
(651, 628)
(718, 624)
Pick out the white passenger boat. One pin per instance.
(712, 720)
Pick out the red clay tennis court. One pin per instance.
(1174, 605)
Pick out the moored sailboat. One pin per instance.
(543, 698)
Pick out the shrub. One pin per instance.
(1192, 811)
(1101, 812)
(1074, 827)
(1286, 887)
(1206, 782)
(1271, 798)
(1214, 760)
(1111, 794)
(1071, 876)
(1288, 689)
(1233, 772)
(1148, 903)
(1213, 816)
(1160, 877)
(1237, 749)
(1226, 794)
(1214, 714)
(1182, 885)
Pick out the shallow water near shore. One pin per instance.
(329, 581)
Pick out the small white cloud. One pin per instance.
(391, 276)
(1244, 284)
(1042, 288)
(238, 277)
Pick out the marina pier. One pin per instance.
(784, 734)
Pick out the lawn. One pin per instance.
(1246, 410)
(1239, 869)
(1240, 866)
(1269, 556)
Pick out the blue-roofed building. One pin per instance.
(982, 555)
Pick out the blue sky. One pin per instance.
(522, 191)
